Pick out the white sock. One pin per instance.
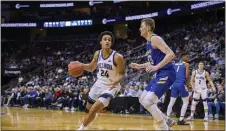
(156, 113)
(164, 116)
(194, 103)
(170, 106)
(184, 108)
(82, 127)
(192, 114)
(205, 108)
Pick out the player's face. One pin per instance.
(143, 29)
(106, 41)
(185, 58)
(201, 66)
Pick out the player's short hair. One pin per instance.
(150, 22)
(107, 33)
(184, 54)
(201, 62)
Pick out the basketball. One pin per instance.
(75, 69)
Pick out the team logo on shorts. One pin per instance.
(163, 80)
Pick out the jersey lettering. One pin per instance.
(105, 66)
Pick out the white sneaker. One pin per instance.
(59, 105)
(210, 116)
(163, 127)
(72, 109)
(81, 128)
(216, 116)
(170, 122)
(206, 118)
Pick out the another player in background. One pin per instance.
(179, 87)
(160, 57)
(111, 67)
(198, 83)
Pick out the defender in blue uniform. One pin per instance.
(160, 57)
(179, 87)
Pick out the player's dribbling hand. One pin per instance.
(151, 68)
(134, 66)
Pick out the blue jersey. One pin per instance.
(155, 56)
(180, 69)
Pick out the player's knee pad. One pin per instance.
(105, 99)
(141, 101)
(142, 96)
(149, 99)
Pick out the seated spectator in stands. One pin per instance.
(126, 90)
(132, 92)
(220, 100)
(57, 94)
(28, 94)
(138, 91)
(23, 93)
(72, 97)
(65, 98)
(47, 98)
(30, 98)
(18, 94)
(12, 98)
(39, 98)
(211, 97)
(9, 97)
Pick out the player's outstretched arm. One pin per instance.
(159, 43)
(193, 80)
(93, 64)
(139, 66)
(120, 68)
(210, 81)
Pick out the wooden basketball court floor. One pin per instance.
(39, 119)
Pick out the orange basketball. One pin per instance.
(75, 68)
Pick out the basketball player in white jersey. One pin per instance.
(111, 66)
(198, 83)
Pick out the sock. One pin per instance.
(149, 102)
(82, 127)
(164, 116)
(205, 108)
(156, 113)
(184, 108)
(194, 103)
(170, 106)
(192, 114)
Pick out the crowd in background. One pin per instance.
(54, 88)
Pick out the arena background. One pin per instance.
(39, 39)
